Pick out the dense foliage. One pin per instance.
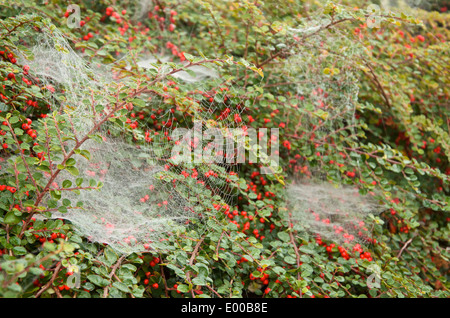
(361, 98)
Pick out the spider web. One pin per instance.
(147, 193)
(335, 213)
(324, 73)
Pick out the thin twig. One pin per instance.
(191, 262)
(113, 271)
(404, 247)
(50, 283)
(58, 293)
(218, 244)
(166, 288)
(297, 254)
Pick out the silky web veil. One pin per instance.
(324, 72)
(146, 194)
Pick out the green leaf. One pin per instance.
(306, 270)
(66, 184)
(111, 255)
(283, 236)
(290, 260)
(11, 218)
(98, 280)
(199, 281)
(73, 171)
(79, 181)
(19, 250)
(183, 288)
(121, 286)
(14, 120)
(306, 249)
(71, 162)
(62, 209)
(138, 292)
(138, 102)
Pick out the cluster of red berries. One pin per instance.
(32, 103)
(63, 287)
(403, 228)
(153, 15)
(211, 173)
(88, 36)
(264, 278)
(154, 285)
(110, 12)
(9, 56)
(175, 51)
(155, 260)
(27, 128)
(344, 254)
(8, 188)
(350, 174)
(51, 238)
(244, 217)
(287, 144)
